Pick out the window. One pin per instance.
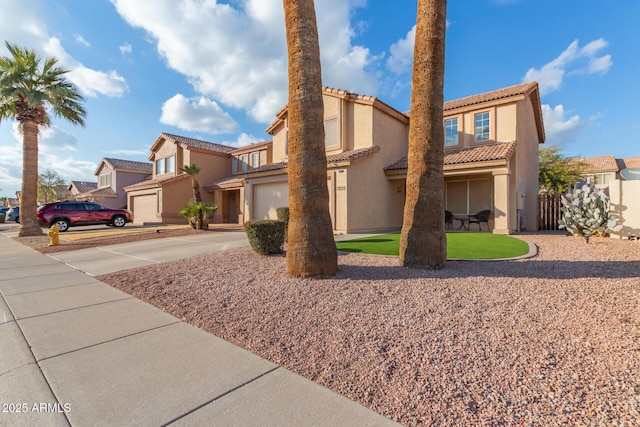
(467, 197)
(602, 178)
(255, 159)
(451, 132)
(482, 126)
(166, 165)
(245, 165)
(331, 133)
(234, 165)
(104, 180)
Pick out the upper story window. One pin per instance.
(482, 126)
(104, 180)
(245, 164)
(255, 159)
(166, 165)
(331, 133)
(234, 165)
(451, 132)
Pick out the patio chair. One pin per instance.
(479, 218)
(448, 220)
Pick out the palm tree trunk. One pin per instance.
(423, 241)
(311, 248)
(28, 197)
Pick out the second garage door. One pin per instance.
(267, 198)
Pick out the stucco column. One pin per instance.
(218, 200)
(248, 201)
(501, 196)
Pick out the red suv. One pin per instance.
(73, 213)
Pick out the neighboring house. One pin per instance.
(113, 175)
(160, 198)
(602, 169)
(491, 161)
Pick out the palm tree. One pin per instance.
(311, 248)
(28, 93)
(197, 205)
(423, 241)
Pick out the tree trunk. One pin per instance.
(29, 195)
(311, 248)
(423, 242)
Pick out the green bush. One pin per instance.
(283, 215)
(198, 213)
(266, 236)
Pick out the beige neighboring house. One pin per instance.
(491, 162)
(113, 175)
(160, 198)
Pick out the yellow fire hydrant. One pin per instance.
(54, 235)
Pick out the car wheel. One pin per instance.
(18, 219)
(63, 224)
(119, 221)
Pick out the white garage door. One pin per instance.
(269, 197)
(144, 209)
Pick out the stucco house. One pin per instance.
(113, 175)
(491, 155)
(160, 198)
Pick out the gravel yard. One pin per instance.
(551, 340)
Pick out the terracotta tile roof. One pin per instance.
(156, 182)
(198, 144)
(103, 192)
(346, 156)
(599, 163)
(230, 182)
(628, 162)
(130, 165)
(83, 186)
(502, 151)
(521, 89)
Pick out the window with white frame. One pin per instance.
(104, 180)
(255, 159)
(451, 132)
(166, 165)
(331, 133)
(245, 164)
(482, 126)
(467, 197)
(602, 178)
(234, 165)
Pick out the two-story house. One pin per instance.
(491, 154)
(113, 175)
(160, 198)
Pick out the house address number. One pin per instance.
(341, 188)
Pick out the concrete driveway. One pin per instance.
(108, 259)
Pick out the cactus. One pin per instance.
(585, 211)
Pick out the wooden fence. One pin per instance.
(549, 211)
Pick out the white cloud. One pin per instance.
(32, 32)
(236, 53)
(82, 41)
(571, 61)
(199, 115)
(125, 48)
(560, 129)
(144, 152)
(242, 140)
(401, 51)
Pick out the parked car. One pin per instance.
(67, 214)
(13, 214)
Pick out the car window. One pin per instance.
(92, 207)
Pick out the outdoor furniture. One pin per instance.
(479, 218)
(448, 220)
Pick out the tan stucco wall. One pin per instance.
(526, 171)
(625, 207)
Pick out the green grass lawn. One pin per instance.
(459, 245)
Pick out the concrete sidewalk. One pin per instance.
(76, 351)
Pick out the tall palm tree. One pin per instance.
(197, 206)
(193, 172)
(311, 248)
(423, 241)
(28, 93)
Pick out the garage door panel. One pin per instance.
(267, 198)
(144, 208)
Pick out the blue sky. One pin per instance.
(217, 70)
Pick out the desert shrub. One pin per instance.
(585, 211)
(198, 213)
(283, 215)
(266, 236)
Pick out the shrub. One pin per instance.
(198, 213)
(283, 215)
(585, 211)
(266, 236)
